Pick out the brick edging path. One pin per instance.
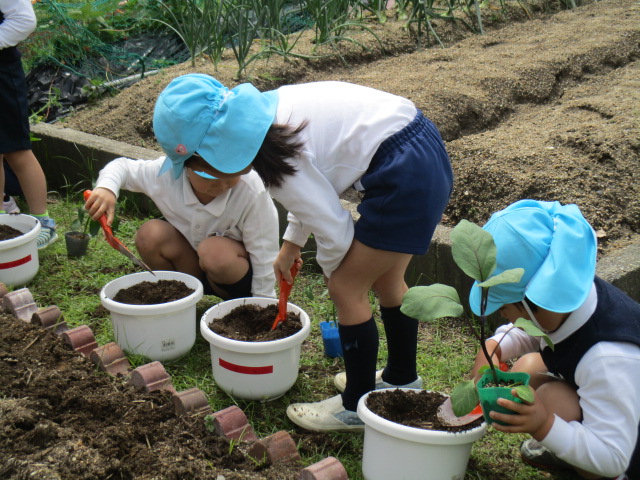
(230, 423)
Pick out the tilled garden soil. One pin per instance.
(61, 419)
(543, 108)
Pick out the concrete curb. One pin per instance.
(58, 147)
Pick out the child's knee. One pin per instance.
(562, 399)
(151, 234)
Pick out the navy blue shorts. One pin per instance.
(406, 189)
(14, 108)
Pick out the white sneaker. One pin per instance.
(10, 206)
(326, 416)
(340, 381)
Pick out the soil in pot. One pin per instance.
(416, 409)
(252, 323)
(152, 293)
(7, 232)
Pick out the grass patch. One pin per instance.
(445, 353)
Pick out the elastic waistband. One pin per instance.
(418, 125)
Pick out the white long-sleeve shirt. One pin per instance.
(244, 213)
(19, 22)
(346, 125)
(609, 390)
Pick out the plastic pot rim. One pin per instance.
(34, 229)
(414, 434)
(254, 347)
(159, 308)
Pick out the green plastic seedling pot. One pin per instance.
(490, 395)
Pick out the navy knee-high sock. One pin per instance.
(360, 353)
(402, 346)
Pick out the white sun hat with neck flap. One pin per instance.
(555, 246)
(196, 113)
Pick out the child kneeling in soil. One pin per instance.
(310, 143)
(222, 231)
(586, 412)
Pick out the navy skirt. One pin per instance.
(406, 189)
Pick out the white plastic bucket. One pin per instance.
(19, 261)
(254, 370)
(392, 450)
(164, 331)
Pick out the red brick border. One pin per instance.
(230, 423)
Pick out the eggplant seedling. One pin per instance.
(474, 251)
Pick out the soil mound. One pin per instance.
(545, 108)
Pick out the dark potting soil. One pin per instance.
(60, 418)
(7, 232)
(152, 293)
(413, 409)
(252, 323)
(77, 235)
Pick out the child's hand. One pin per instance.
(288, 256)
(532, 418)
(101, 201)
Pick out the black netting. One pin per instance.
(82, 48)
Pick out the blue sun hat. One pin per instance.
(196, 113)
(555, 246)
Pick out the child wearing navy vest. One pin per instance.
(586, 412)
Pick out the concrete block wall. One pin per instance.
(70, 157)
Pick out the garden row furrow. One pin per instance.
(458, 101)
(230, 423)
(584, 142)
(536, 71)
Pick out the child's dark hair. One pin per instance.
(279, 144)
(532, 306)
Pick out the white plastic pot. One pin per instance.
(392, 450)
(164, 331)
(19, 261)
(254, 370)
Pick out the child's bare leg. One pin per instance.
(224, 261)
(562, 399)
(163, 247)
(557, 396)
(349, 286)
(362, 268)
(31, 178)
(532, 364)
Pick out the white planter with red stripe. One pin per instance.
(254, 370)
(19, 261)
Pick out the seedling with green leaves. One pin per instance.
(84, 223)
(474, 251)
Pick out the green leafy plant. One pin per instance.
(474, 251)
(84, 223)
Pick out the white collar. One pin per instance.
(577, 318)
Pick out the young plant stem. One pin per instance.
(483, 323)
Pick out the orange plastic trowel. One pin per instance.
(285, 290)
(114, 242)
